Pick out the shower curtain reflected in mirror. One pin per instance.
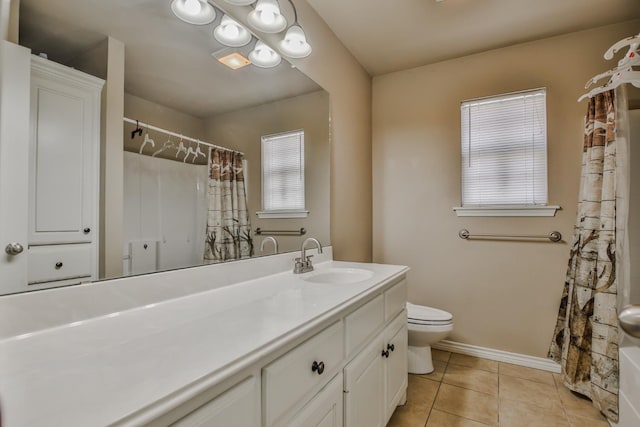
(228, 234)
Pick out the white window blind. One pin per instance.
(283, 172)
(504, 150)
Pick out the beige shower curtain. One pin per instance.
(586, 336)
(228, 226)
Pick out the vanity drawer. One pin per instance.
(363, 322)
(59, 262)
(290, 377)
(395, 300)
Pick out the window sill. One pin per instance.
(294, 213)
(507, 211)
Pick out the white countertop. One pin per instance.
(97, 371)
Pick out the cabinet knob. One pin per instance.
(317, 367)
(14, 248)
(385, 353)
(391, 347)
(58, 265)
(87, 230)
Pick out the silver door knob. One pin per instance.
(14, 248)
(629, 319)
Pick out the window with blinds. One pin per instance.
(283, 175)
(504, 150)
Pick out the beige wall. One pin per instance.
(503, 295)
(9, 20)
(242, 131)
(334, 68)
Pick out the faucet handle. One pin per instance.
(308, 257)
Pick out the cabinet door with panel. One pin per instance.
(364, 387)
(324, 410)
(395, 366)
(63, 152)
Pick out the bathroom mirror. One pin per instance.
(174, 81)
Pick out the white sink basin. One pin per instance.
(338, 275)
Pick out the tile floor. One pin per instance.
(466, 391)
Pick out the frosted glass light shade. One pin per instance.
(263, 56)
(266, 17)
(231, 33)
(197, 12)
(294, 44)
(241, 2)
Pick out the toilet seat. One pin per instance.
(422, 315)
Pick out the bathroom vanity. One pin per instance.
(324, 348)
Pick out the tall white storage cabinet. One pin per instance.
(64, 147)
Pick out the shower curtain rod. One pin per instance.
(177, 135)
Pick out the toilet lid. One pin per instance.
(422, 314)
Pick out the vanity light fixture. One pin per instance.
(197, 12)
(263, 56)
(266, 17)
(230, 33)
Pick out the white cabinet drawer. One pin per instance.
(395, 300)
(290, 377)
(363, 322)
(59, 262)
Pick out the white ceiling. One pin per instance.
(392, 35)
(166, 60)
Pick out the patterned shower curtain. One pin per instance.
(228, 226)
(586, 336)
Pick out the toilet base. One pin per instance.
(420, 361)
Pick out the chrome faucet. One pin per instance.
(303, 264)
(269, 239)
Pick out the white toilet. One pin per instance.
(426, 326)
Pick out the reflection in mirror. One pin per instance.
(167, 75)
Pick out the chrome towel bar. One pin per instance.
(554, 236)
(300, 232)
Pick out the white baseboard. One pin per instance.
(499, 355)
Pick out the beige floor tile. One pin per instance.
(577, 421)
(577, 405)
(471, 378)
(543, 395)
(474, 362)
(420, 396)
(438, 371)
(443, 419)
(517, 414)
(526, 373)
(476, 406)
(440, 355)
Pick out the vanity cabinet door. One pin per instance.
(237, 407)
(364, 388)
(395, 369)
(324, 410)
